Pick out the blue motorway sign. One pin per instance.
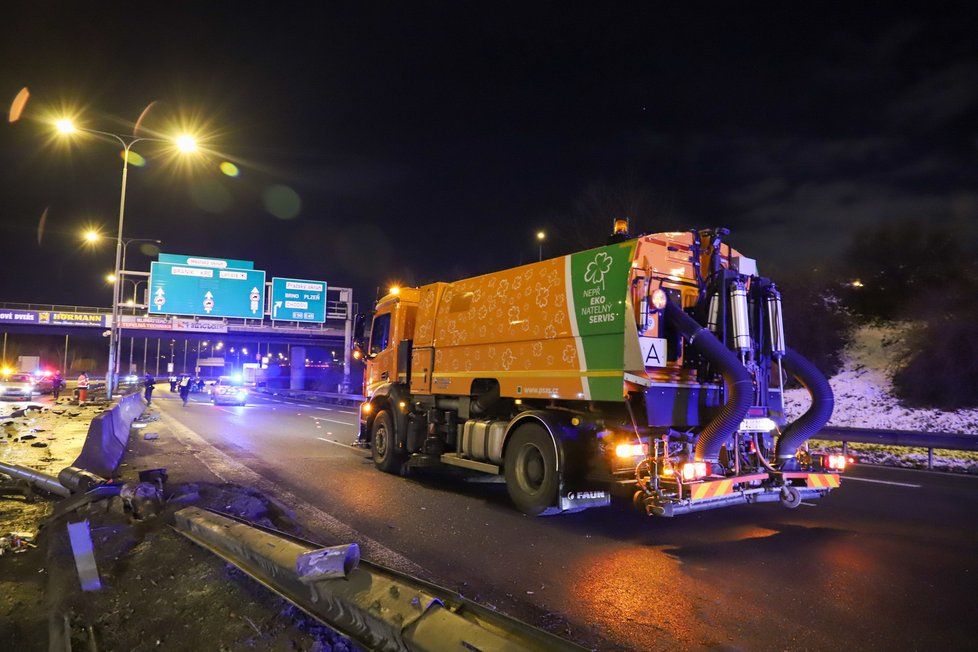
(205, 261)
(206, 291)
(297, 300)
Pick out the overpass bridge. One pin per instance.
(164, 332)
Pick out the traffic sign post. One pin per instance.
(206, 291)
(298, 300)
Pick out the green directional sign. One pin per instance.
(206, 291)
(298, 300)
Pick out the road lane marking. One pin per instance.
(895, 484)
(342, 423)
(335, 443)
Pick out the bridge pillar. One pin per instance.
(297, 362)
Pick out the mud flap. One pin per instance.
(575, 501)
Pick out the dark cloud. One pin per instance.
(939, 99)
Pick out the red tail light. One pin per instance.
(695, 470)
(836, 462)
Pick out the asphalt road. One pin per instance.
(889, 561)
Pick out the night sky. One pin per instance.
(431, 141)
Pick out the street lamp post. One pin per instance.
(133, 303)
(186, 144)
(541, 236)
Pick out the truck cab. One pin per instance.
(390, 333)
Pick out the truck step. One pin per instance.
(455, 460)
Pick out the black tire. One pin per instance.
(383, 446)
(531, 471)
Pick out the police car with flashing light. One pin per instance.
(228, 391)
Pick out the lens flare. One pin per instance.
(229, 169)
(17, 106)
(137, 129)
(135, 158)
(282, 202)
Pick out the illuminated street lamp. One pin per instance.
(185, 144)
(541, 236)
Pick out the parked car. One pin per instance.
(43, 384)
(17, 385)
(228, 392)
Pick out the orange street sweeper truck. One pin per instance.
(654, 365)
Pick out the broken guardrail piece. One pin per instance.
(36, 478)
(82, 548)
(327, 563)
(376, 606)
(78, 480)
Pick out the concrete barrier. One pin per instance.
(108, 436)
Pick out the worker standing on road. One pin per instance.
(57, 382)
(82, 387)
(185, 389)
(150, 385)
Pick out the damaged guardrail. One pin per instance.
(378, 607)
(105, 444)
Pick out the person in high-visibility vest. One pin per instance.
(82, 387)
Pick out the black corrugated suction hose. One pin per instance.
(739, 383)
(815, 417)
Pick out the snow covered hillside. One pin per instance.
(863, 399)
(863, 388)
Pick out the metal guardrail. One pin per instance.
(376, 606)
(905, 438)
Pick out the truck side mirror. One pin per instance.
(359, 322)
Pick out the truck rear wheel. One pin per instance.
(531, 471)
(382, 444)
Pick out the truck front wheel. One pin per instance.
(531, 471)
(382, 444)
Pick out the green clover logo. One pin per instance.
(597, 268)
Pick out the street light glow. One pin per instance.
(186, 144)
(92, 236)
(541, 235)
(110, 278)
